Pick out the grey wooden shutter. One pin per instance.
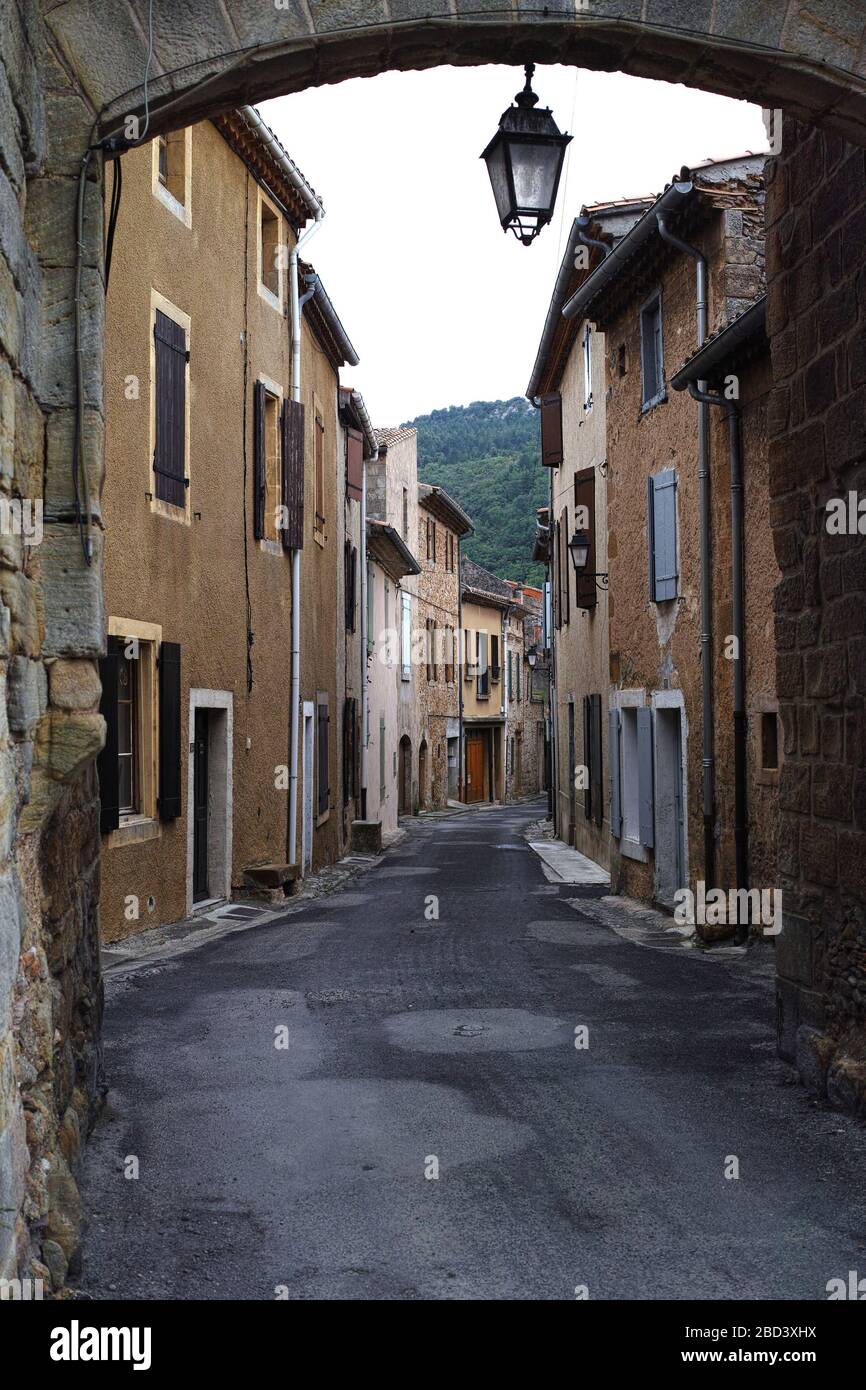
(595, 759)
(613, 756)
(169, 731)
(169, 458)
(293, 474)
(586, 595)
(551, 430)
(259, 460)
(106, 763)
(645, 776)
(662, 524)
(323, 774)
(381, 757)
(354, 464)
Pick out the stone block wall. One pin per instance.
(816, 264)
(50, 633)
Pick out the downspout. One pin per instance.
(709, 780)
(741, 825)
(297, 303)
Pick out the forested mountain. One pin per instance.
(487, 455)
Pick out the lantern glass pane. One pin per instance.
(496, 168)
(535, 169)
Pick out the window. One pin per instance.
(137, 672)
(428, 647)
(769, 741)
(468, 674)
(510, 677)
(170, 378)
(319, 444)
(652, 355)
(406, 637)
(586, 593)
(273, 475)
(587, 368)
(434, 542)
(128, 736)
(662, 535)
(429, 552)
(323, 788)
(434, 633)
(350, 750)
(517, 672)
(631, 777)
(405, 514)
(351, 572)
(270, 270)
(551, 430)
(449, 655)
(171, 180)
(381, 757)
(495, 671)
(483, 671)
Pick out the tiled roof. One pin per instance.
(393, 436)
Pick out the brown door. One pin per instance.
(475, 766)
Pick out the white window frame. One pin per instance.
(143, 824)
(587, 367)
(629, 702)
(405, 635)
(276, 301)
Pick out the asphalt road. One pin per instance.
(414, 1043)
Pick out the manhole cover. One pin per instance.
(468, 1030)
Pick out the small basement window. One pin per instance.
(770, 742)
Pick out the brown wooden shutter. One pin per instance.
(106, 763)
(584, 496)
(551, 430)
(354, 464)
(169, 457)
(169, 731)
(565, 565)
(259, 489)
(292, 444)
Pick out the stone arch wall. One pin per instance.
(65, 70)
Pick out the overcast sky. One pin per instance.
(442, 306)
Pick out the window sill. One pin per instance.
(270, 298)
(633, 849)
(648, 406)
(133, 830)
(170, 511)
(319, 538)
(174, 205)
(271, 547)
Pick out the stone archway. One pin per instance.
(75, 71)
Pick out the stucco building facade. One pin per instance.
(210, 466)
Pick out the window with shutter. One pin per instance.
(495, 671)
(564, 570)
(483, 677)
(259, 489)
(323, 789)
(350, 558)
(596, 759)
(652, 353)
(551, 430)
(319, 490)
(350, 750)
(406, 637)
(614, 755)
(586, 592)
(292, 475)
(169, 731)
(354, 464)
(381, 757)
(662, 535)
(107, 764)
(169, 456)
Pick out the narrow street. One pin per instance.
(412, 1040)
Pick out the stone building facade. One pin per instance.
(570, 377)
(524, 699)
(645, 303)
(816, 311)
(442, 526)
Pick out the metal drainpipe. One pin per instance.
(741, 823)
(296, 305)
(709, 762)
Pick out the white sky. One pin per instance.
(442, 306)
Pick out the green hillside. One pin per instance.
(487, 455)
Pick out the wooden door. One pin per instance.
(475, 766)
